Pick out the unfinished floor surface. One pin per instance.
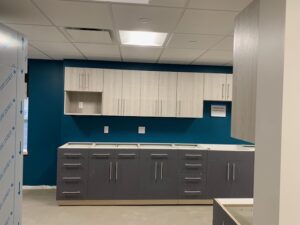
(40, 208)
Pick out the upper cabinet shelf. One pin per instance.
(141, 93)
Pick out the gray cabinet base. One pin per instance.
(133, 202)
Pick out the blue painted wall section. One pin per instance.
(49, 128)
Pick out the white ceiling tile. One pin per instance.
(99, 52)
(169, 3)
(207, 22)
(21, 12)
(89, 36)
(77, 14)
(58, 50)
(193, 41)
(140, 54)
(225, 45)
(34, 53)
(234, 5)
(146, 18)
(180, 56)
(40, 33)
(215, 57)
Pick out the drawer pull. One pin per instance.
(193, 156)
(193, 165)
(127, 155)
(192, 178)
(159, 156)
(71, 192)
(192, 192)
(74, 165)
(70, 179)
(72, 155)
(99, 155)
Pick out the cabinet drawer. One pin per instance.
(192, 167)
(72, 155)
(192, 179)
(192, 156)
(192, 192)
(74, 169)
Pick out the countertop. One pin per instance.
(158, 146)
(240, 210)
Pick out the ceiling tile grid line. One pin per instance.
(209, 50)
(45, 15)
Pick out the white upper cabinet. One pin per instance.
(149, 94)
(167, 94)
(131, 93)
(112, 92)
(190, 87)
(218, 87)
(83, 79)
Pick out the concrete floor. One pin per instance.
(40, 208)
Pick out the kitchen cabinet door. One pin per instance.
(243, 176)
(229, 83)
(101, 174)
(149, 94)
(131, 93)
(94, 79)
(190, 95)
(72, 79)
(167, 94)
(112, 93)
(127, 176)
(159, 175)
(215, 87)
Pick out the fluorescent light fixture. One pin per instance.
(125, 1)
(142, 38)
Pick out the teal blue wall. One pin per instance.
(49, 128)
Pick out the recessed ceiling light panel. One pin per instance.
(142, 38)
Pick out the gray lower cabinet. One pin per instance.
(101, 180)
(126, 174)
(159, 179)
(113, 174)
(230, 174)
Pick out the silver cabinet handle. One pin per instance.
(233, 171)
(223, 86)
(110, 171)
(101, 155)
(155, 172)
(118, 107)
(161, 170)
(72, 164)
(228, 171)
(179, 108)
(161, 108)
(193, 165)
(129, 155)
(71, 192)
(117, 167)
(228, 91)
(124, 104)
(159, 156)
(88, 80)
(71, 179)
(192, 178)
(156, 108)
(193, 156)
(72, 155)
(192, 192)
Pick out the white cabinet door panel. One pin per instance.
(112, 92)
(229, 85)
(94, 80)
(215, 87)
(149, 93)
(190, 95)
(167, 94)
(131, 93)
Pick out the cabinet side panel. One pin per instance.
(245, 73)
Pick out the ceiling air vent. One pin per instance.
(88, 35)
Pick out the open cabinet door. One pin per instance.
(13, 67)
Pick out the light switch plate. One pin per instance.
(80, 105)
(142, 130)
(106, 129)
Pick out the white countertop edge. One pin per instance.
(235, 201)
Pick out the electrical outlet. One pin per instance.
(106, 129)
(80, 105)
(142, 130)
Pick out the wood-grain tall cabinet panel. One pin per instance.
(131, 93)
(112, 93)
(190, 88)
(167, 94)
(215, 85)
(149, 94)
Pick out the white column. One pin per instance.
(277, 166)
